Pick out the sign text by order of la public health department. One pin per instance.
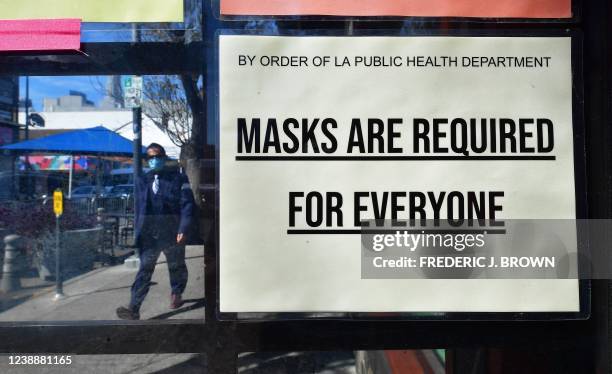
(324, 133)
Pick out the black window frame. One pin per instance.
(584, 343)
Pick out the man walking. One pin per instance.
(164, 212)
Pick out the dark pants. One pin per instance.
(149, 253)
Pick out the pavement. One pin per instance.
(94, 296)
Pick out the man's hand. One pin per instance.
(180, 238)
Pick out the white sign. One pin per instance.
(132, 92)
(316, 131)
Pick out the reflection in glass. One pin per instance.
(344, 362)
(83, 147)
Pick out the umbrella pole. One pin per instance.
(98, 176)
(70, 176)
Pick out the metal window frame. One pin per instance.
(584, 342)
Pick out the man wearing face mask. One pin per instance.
(164, 212)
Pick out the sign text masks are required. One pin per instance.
(495, 131)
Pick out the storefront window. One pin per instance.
(189, 190)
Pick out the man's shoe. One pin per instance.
(127, 313)
(176, 301)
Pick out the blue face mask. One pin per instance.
(156, 163)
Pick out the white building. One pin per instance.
(119, 120)
(74, 111)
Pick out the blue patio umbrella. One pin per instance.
(96, 141)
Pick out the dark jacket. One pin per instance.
(178, 205)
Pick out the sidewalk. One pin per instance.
(95, 296)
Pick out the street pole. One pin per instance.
(132, 90)
(27, 132)
(137, 119)
(27, 109)
(99, 176)
(58, 209)
(70, 176)
(59, 286)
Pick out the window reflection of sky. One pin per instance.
(56, 86)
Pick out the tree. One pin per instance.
(176, 104)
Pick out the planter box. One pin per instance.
(79, 250)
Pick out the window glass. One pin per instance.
(80, 141)
(344, 362)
